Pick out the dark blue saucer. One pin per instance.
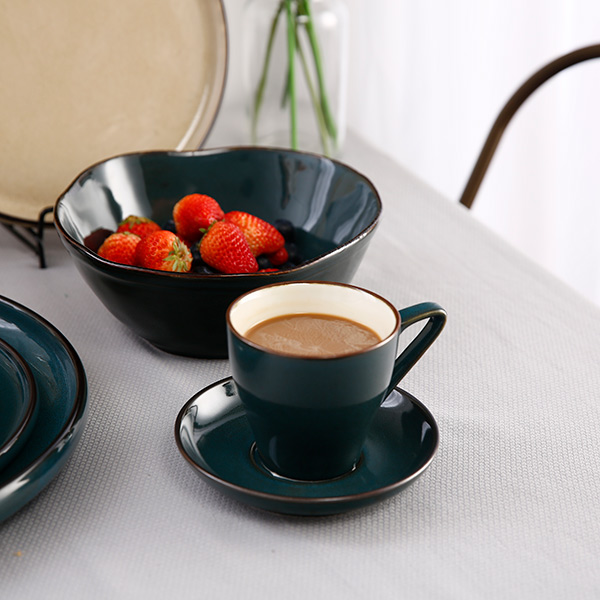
(213, 435)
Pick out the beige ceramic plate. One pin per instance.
(83, 81)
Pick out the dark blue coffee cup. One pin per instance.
(310, 415)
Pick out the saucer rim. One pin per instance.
(381, 492)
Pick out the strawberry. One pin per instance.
(141, 226)
(279, 257)
(193, 215)
(225, 249)
(262, 237)
(120, 247)
(163, 251)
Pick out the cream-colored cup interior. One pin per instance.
(314, 297)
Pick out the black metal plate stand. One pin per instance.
(31, 233)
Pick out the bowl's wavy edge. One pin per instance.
(111, 266)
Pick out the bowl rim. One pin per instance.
(120, 268)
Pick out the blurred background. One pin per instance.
(426, 82)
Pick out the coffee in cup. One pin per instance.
(311, 334)
(312, 362)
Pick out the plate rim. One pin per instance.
(76, 415)
(221, 25)
(32, 398)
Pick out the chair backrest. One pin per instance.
(510, 108)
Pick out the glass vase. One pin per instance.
(295, 57)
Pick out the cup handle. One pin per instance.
(436, 316)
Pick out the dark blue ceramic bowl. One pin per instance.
(334, 209)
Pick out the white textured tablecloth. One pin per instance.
(510, 507)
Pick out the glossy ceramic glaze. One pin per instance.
(213, 435)
(334, 208)
(18, 402)
(310, 415)
(62, 396)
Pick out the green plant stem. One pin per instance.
(291, 39)
(323, 132)
(304, 5)
(325, 121)
(260, 90)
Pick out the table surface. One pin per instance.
(508, 508)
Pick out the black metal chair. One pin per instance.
(511, 107)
